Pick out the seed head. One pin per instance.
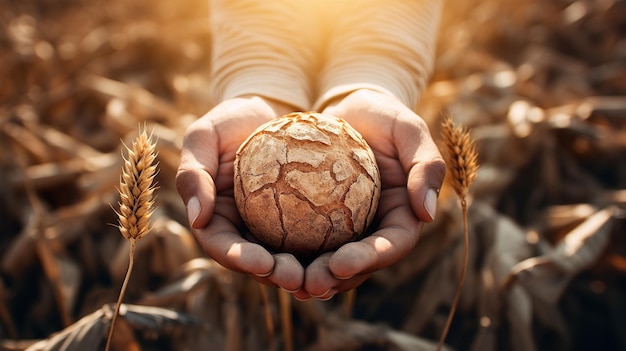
(137, 187)
(461, 156)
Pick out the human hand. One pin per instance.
(395, 133)
(412, 172)
(205, 183)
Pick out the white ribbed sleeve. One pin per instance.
(382, 45)
(308, 52)
(259, 48)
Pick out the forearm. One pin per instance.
(387, 46)
(259, 49)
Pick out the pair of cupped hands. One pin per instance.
(411, 168)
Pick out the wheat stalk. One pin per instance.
(462, 163)
(136, 187)
(461, 156)
(136, 202)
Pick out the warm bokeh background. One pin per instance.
(542, 84)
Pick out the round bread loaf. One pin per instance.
(306, 183)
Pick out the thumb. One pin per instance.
(424, 166)
(195, 176)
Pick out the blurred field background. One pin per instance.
(542, 84)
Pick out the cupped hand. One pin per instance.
(412, 172)
(205, 183)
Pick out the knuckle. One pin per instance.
(436, 171)
(184, 181)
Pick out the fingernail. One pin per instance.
(322, 294)
(291, 291)
(430, 203)
(327, 298)
(329, 294)
(329, 291)
(193, 210)
(265, 275)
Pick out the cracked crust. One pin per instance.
(306, 183)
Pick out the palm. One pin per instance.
(206, 175)
(395, 134)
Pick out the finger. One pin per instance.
(196, 172)
(395, 131)
(320, 283)
(302, 295)
(287, 274)
(422, 162)
(396, 237)
(222, 242)
(318, 278)
(197, 190)
(424, 182)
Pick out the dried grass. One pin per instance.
(547, 117)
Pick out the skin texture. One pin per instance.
(411, 167)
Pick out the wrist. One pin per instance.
(337, 95)
(278, 108)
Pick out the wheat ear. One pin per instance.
(462, 163)
(136, 202)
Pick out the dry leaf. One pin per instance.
(179, 289)
(541, 84)
(504, 246)
(174, 246)
(82, 335)
(156, 319)
(547, 276)
(336, 333)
